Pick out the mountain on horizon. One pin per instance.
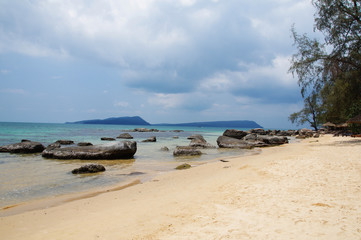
(229, 124)
(136, 120)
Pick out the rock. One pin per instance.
(145, 130)
(89, 168)
(165, 149)
(151, 139)
(198, 141)
(107, 139)
(65, 142)
(233, 133)
(125, 136)
(250, 137)
(317, 135)
(183, 166)
(272, 140)
(306, 132)
(228, 142)
(258, 131)
(83, 144)
(53, 146)
(23, 147)
(116, 150)
(175, 137)
(187, 151)
(177, 131)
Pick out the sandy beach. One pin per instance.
(306, 190)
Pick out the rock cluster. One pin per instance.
(186, 151)
(233, 138)
(117, 150)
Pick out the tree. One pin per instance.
(331, 69)
(309, 114)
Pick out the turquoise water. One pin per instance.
(25, 177)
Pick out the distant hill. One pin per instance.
(115, 121)
(228, 124)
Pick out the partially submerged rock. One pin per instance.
(183, 166)
(107, 139)
(65, 142)
(89, 168)
(165, 149)
(117, 150)
(151, 139)
(198, 141)
(82, 144)
(186, 151)
(125, 136)
(23, 147)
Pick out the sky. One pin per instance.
(168, 61)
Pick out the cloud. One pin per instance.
(121, 104)
(13, 91)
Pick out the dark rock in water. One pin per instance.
(233, 133)
(53, 146)
(228, 142)
(25, 140)
(83, 144)
(107, 139)
(117, 150)
(151, 139)
(186, 151)
(23, 147)
(198, 141)
(177, 131)
(183, 166)
(166, 149)
(89, 168)
(65, 142)
(145, 130)
(125, 136)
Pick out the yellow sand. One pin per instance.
(307, 190)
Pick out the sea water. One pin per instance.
(25, 177)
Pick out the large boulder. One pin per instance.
(89, 168)
(186, 151)
(233, 133)
(198, 141)
(258, 131)
(272, 140)
(116, 150)
(23, 147)
(228, 142)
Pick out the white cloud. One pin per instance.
(13, 91)
(121, 104)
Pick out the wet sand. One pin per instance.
(307, 190)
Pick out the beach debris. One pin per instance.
(223, 160)
(151, 139)
(83, 144)
(186, 151)
(116, 150)
(65, 142)
(165, 149)
(89, 168)
(125, 136)
(23, 147)
(107, 139)
(183, 166)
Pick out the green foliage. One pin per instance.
(330, 69)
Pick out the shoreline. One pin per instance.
(307, 190)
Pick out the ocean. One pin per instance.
(26, 177)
